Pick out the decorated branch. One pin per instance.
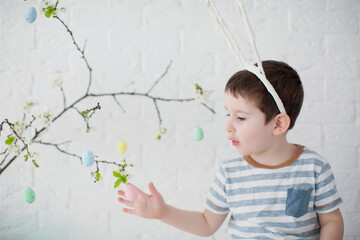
(18, 137)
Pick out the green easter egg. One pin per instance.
(29, 195)
(198, 134)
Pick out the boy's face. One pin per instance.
(246, 126)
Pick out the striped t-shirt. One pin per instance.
(274, 203)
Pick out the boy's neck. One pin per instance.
(277, 154)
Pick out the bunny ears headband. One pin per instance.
(257, 70)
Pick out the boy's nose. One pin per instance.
(229, 127)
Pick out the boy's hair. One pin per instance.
(285, 81)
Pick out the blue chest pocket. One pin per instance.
(297, 201)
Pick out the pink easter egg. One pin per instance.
(131, 192)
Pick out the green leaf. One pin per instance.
(97, 177)
(48, 13)
(10, 139)
(35, 164)
(159, 137)
(117, 183)
(26, 157)
(85, 113)
(116, 174)
(124, 179)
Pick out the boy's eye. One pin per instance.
(239, 118)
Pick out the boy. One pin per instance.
(274, 190)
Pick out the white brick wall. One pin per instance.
(129, 45)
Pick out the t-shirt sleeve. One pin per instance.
(327, 198)
(217, 200)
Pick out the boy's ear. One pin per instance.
(282, 124)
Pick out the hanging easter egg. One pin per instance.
(131, 192)
(87, 158)
(198, 134)
(121, 147)
(30, 15)
(29, 195)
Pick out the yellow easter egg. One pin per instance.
(121, 147)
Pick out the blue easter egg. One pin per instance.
(30, 15)
(198, 134)
(87, 158)
(29, 195)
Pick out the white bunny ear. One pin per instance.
(227, 34)
(258, 71)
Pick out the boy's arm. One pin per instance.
(153, 206)
(200, 223)
(332, 225)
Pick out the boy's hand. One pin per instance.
(146, 206)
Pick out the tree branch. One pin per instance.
(82, 52)
(73, 105)
(118, 103)
(58, 148)
(64, 97)
(162, 75)
(158, 112)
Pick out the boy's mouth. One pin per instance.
(234, 142)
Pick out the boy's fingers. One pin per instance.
(139, 192)
(130, 211)
(137, 189)
(141, 198)
(121, 193)
(126, 202)
(153, 189)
